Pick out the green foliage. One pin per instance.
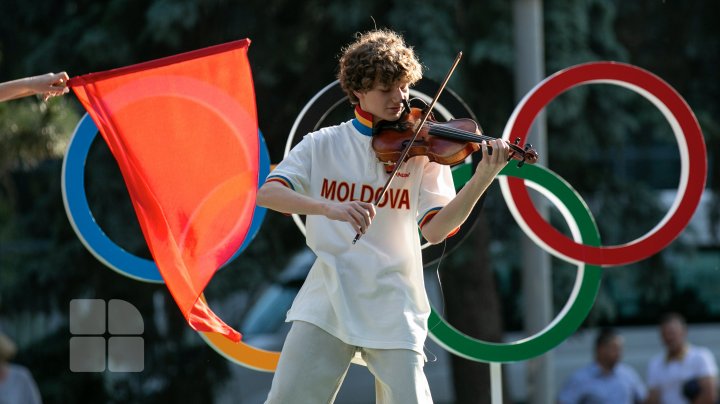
(31, 132)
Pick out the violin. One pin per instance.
(447, 143)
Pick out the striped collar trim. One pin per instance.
(363, 121)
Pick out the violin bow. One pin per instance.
(406, 150)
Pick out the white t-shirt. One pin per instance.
(370, 294)
(669, 376)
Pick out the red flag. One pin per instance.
(184, 132)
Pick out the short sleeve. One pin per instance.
(294, 170)
(436, 190)
(706, 365)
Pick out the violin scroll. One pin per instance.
(528, 153)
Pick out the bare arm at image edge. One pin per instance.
(50, 85)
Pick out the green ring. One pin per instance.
(570, 317)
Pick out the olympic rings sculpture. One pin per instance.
(584, 249)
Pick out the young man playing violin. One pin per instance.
(365, 302)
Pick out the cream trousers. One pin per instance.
(314, 363)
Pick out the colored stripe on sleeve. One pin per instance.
(429, 215)
(279, 178)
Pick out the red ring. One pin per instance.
(656, 239)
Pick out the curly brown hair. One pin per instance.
(380, 57)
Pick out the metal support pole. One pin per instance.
(496, 391)
(537, 281)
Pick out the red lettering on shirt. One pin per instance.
(343, 191)
(352, 192)
(404, 199)
(328, 189)
(366, 195)
(384, 200)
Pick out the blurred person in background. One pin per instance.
(17, 385)
(48, 85)
(684, 373)
(606, 380)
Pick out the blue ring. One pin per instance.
(92, 236)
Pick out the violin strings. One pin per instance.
(460, 134)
